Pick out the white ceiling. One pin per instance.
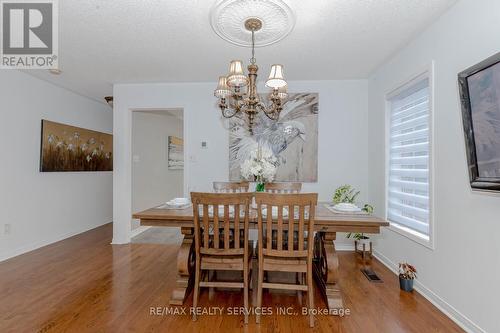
(121, 41)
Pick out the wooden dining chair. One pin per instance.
(231, 187)
(217, 248)
(284, 253)
(283, 187)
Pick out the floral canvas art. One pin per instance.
(292, 140)
(175, 153)
(70, 148)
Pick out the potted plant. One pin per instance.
(345, 197)
(360, 239)
(407, 273)
(346, 194)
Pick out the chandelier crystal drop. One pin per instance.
(233, 99)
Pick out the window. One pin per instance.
(409, 155)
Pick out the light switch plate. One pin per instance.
(136, 158)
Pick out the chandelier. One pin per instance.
(237, 93)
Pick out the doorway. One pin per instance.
(157, 159)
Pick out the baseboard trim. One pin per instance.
(344, 247)
(36, 245)
(139, 230)
(460, 319)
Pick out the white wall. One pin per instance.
(460, 275)
(152, 182)
(45, 207)
(343, 122)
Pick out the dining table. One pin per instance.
(327, 223)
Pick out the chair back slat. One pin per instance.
(283, 188)
(205, 226)
(269, 231)
(215, 210)
(227, 221)
(217, 220)
(231, 187)
(279, 230)
(278, 236)
(300, 246)
(291, 224)
(237, 224)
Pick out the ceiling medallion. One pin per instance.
(237, 92)
(228, 19)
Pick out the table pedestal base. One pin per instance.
(325, 267)
(185, 268)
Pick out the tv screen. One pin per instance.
(480, 95)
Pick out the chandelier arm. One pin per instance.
(272, 112)
(229, 112)
(261, 107)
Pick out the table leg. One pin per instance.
(185, 268)
(326, 265)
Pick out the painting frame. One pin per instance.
(477, 181)
(97, 151)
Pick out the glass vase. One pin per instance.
(260, 187)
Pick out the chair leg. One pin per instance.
(245, 291)
(196, 288)
(259, 291)
(310, 296)
(212, 276)
(300, 282)
(254, 279)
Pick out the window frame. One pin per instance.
(427, 72)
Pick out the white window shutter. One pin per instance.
(409, 149)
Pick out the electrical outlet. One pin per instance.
(6, 229)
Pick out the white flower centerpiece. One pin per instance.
(260, 167)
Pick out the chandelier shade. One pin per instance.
(276, 79)
(236, 77)
(222, 89)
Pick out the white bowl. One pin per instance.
(180, 201)
(347, 207)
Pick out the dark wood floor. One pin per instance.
(84, 284)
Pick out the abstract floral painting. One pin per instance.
(70, 148)
(293, 139)
(175, 153)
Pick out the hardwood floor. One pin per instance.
(84, 284)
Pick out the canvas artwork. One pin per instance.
(293, 139)
(70, 148)
(175, 153)
(484, 91)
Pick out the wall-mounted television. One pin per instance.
(480, 97)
